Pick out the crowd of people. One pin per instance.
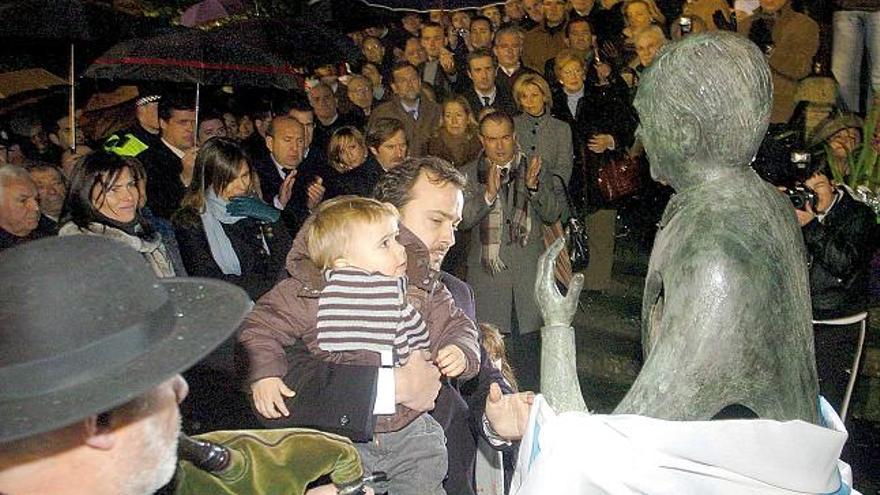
(443, 160)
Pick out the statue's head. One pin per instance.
(704, 106)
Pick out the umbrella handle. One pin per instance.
(72, 105)
(196, 130)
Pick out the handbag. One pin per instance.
(619, 177)
(576, 235)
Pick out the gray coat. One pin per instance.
(546, 136)
(495, 295)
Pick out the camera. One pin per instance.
(784, 162)
(800, 196)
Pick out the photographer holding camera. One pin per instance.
(840, 234)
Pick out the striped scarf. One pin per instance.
(360, 311)
(514, 194)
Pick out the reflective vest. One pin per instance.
(126, 145)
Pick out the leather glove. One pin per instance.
(251, 207)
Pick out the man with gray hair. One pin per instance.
(508, 48)
(20, 219)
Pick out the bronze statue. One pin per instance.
(726, 307)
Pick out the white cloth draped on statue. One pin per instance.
(579, 453)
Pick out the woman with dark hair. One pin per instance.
(224, 230)
(105, 199)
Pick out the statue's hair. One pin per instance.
(720, 82)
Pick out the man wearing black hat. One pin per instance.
(89, 393)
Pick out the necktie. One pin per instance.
(505, 175)
(485, 101)
(414, 113)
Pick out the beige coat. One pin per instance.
(795, 41)
(540, 45)
(418, 132)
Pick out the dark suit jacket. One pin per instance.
(260, 270)
(602, 110)
(297, 210)
(442, 83)
(270, 180)
(503, 101)
(503, 80)
(164, 188)
(45, 228)
(359, 182)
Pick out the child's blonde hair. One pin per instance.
(336, 222)
(493, 342)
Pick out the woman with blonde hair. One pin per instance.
(457, 138)
(639, 14)
(346, 152)
(537, 131)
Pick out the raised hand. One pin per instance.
(315, 193)
(286, 190)
(493, 183)
(533, 172)
(555, 309)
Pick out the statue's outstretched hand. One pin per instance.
(555, 309)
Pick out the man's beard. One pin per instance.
(159, 455)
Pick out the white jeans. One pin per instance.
(854, 31)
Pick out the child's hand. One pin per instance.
(269, 394)
(451, 361)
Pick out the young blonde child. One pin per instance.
(361, 315)
(491, 467)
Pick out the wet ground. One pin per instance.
(609, 356)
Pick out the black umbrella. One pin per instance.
(427, 5)
(194, 56)
(197, 57)
(305, 45)
(69, 21)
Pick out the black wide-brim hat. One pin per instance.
(85, 326)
